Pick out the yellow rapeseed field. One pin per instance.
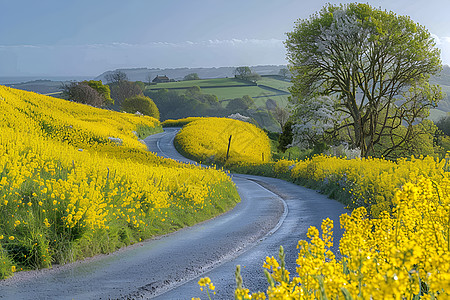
(207, 140)
(179, 122)
(76, 181)
(396, 243)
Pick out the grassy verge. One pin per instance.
(143, 130)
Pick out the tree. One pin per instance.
(102, 89)
(245, 73)
(284, 73)
(82, 93)
(374, 64)
(242, 72)
(444, 124)
(116, 77)
(124, 89)
(286, 137)
(281, 114)
(193, 91)
(240, 104)
(192, 76)
(141, 104)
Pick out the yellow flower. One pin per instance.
(46, 223)
(11, 238)
(204, 281)
(13, 269)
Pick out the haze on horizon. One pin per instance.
(86, 38)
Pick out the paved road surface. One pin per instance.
(272, 213)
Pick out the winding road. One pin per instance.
(272, 213)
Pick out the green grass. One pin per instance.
(144, 131)
(275, 83)
(258, 93)
(237, 92)
(201, 83)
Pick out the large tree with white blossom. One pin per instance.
(364, 72)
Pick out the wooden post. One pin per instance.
(263, 156)
(289, 155)
(228, 150)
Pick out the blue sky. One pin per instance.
(86, 38)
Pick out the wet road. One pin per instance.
(272, 213)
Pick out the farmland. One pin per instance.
(396, 240)
(76, 181)
(229, 88)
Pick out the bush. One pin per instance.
(81, 92)
(240, 104)
(141, 104)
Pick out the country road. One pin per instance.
(272, 213)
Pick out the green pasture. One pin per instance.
(201, 83)
(259, 93)
(275, 83)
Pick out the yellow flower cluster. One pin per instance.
(402, 257)
(63, 174)
(396, 243)
(371, 183)
(207, 140)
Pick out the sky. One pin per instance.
(88, 37)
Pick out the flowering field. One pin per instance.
(179, 122)
(76, 181)
(207, 140)
(396, 243)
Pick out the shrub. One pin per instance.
(141, 104)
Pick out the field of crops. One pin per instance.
(396, 243)
(207, 140)
(76, 181)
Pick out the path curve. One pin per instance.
(272, 213)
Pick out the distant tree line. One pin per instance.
(90, 92)
(192, 102)
(119, 94)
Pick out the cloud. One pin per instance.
(93, 59)
(436, 39)
(443, 43)
(121, 45)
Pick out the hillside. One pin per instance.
(229, 88)
(76, 181)
(143, 74)
(444, 105)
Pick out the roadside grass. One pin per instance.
(143, 130)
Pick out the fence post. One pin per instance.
(228, 150)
